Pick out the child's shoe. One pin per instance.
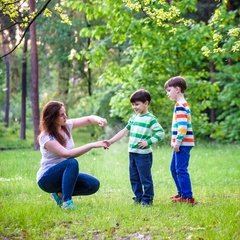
(137, 200)
(57, 199)
(69, 205)
(147, 204)
(176, 196)
(184, 200)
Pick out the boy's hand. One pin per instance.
(108, 143)
(176, 148)
(101, 144)
(142, 144)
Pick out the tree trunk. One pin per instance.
(89, 74)
(24, 91)
(212, 70)
(34, 77)
(229, 9)
(47, 65)
(63, 83)
(7, 84)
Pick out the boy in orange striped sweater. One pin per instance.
(182, 139)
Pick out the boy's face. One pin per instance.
(140, 107)
(172, 93)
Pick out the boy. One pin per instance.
(144, 130)
(182, 139)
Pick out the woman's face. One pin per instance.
(62, 117)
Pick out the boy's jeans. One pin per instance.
(140, 175)
(66, 178)
(180, 173)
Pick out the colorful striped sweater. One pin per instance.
(182, 133)
(143, 127)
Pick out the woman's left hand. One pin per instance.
(102, 122)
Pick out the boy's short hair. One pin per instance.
(141, 95)
(177, 81)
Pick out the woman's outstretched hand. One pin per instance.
(108, 143)
(102, 122)
(101, 144)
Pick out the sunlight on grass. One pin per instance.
(28, 212)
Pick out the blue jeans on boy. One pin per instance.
(179, 165)
(66, 178)
(141, 177)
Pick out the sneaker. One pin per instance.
(184, 200)
(176, 196)
(147, 204)
(137, 200)
(69, 205)
(57, 199)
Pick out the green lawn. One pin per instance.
(28, 212)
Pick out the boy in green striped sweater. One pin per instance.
(144, 130)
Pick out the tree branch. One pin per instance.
(52, 11)
(147, 15)
(6, 4)
(12, 26)
(30, 23)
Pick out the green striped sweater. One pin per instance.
(143, 127)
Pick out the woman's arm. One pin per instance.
(55, 147)
(88, 120)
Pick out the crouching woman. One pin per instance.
(59, 172)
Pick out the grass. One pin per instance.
(28, 212)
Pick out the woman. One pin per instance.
(59, 172)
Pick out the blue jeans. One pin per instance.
(141, 177)
(181, 177)
(66, 178)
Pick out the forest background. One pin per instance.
(92, 55)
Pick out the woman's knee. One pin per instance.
(73, 162)
(95, 186)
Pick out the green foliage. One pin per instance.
(17, 9)
(224, 28)
(224, 36)
(3, 130)
(2, 81)
(227, 129)
(15, 110)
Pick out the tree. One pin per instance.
(24, 90)
(225, 31)
(15, 10)
(34, 76)
(8, 83)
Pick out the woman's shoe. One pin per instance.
(57, 199)
(69, 205)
